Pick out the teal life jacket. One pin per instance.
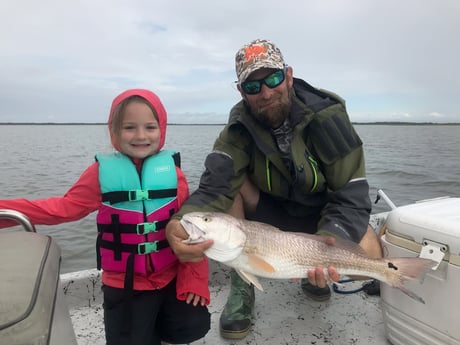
(136, 208)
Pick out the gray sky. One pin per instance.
(64, 61)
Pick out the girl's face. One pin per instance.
(140, 131)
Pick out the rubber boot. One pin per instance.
(235, 319)
(372, 288)
(314, 292)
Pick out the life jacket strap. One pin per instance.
(138, 195)
(143, 248)
(128, 296)
(140, 229)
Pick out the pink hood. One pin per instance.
(150, 97)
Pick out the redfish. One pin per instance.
(258, 249)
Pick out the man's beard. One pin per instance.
(274, 115)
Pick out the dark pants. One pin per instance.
(273, 212)
(155, 316)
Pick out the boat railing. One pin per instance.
(18, 217)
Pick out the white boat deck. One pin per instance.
(282, 315)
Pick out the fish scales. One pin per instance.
(292, 254)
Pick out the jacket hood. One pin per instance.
(154, 101)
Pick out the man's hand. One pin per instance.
(317, 277)
(175, 234)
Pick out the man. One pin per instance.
(290, 157)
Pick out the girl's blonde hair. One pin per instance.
(119, 111)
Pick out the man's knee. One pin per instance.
(371, 244)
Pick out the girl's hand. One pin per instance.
(195, 299)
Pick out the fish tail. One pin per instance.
(403, 269)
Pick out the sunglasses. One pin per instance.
(253, 87)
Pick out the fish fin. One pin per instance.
(350, 246)
(408, 269)
(250, 279)
(338, 242)
(259, 263)
(243, 276)
(411, 294)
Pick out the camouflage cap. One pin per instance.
(257, 54)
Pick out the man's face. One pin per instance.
(271, 106)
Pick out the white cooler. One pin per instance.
(429, 229)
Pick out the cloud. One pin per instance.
(437, 115)
(66, 61)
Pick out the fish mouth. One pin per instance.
(195, 233)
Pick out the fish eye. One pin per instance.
(206, 219)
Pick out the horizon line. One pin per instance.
(223, 124)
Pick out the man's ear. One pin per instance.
(289, 76)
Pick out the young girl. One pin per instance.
(149, 296)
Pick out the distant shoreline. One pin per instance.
(389, 123)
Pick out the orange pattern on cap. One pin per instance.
(254, 52)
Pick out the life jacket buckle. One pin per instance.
(147, 247)
(138, 194)
(146, 228)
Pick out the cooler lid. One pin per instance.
(436, 220)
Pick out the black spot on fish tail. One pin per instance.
(392, 266)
